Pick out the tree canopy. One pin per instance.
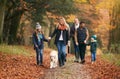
(37, 9)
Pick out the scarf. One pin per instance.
(62, 27)
(39, 36)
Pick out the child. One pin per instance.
(93, 48)
(38, 39)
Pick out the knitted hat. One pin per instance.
(94, 37)
(38, 26)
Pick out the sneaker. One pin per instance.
(63, 66)
(41, 65)
(82, 62)
(65, 60)
(76, 61)
(37, 63)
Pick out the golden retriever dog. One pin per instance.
(53, 59)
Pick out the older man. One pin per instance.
(72, 34)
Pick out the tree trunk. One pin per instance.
(14, 27)
(2, 15)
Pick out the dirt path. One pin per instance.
(70, 71)
(22, 67)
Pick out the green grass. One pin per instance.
(14, 49)
(113, 58)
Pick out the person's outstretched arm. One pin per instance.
(53, 34)
(46, 40)
(87, 37)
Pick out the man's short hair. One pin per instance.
(82, 22)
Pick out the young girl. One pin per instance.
(38, 39)
(93, 48)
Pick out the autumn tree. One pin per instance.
(114, 45)
(14, 9)
(2, 14)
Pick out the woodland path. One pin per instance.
(24, 67)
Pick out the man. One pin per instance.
(81, 37)
(72, 34)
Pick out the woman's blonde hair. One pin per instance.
(65, 23)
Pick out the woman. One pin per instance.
(38, 39)
(61, 39)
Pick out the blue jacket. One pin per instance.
(36, 42)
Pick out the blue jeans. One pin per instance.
(76, 49)
(61, 52)
(93, 56)
(39, 56)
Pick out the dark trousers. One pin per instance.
(82, 49)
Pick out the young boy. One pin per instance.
(38, 40)
(93, 48)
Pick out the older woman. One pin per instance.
(61, 39)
